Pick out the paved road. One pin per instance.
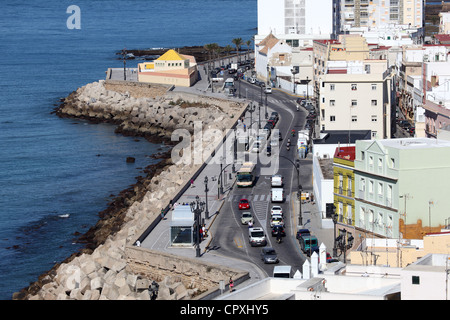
(231, 238)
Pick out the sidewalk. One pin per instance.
(159, 237)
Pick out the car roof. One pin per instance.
(256, 229)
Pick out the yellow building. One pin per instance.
(171, 68)
(344, 184)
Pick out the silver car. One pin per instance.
(269, 255)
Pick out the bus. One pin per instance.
(246, 175)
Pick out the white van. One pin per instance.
(277, 194)
(257, 237)
(282, 271)
(277, 180)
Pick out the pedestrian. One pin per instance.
(170, 204)
(231, 284)
(162, 213)
(250, 224)
(192, 183)
(205, 234)
(201, 234)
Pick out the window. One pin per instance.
(374, 118)
(415, 280)
(374, 102)
(354, 86)
(332, 87)
(374, 86)
(354, 118)
(354, 103)
(332, 103)
(363, 155)
(370, 186)
(332, 118)
(392, 163)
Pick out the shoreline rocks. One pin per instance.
(101, 270)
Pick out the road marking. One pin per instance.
(238, 242)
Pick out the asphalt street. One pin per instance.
(231, 237)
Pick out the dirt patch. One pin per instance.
(138, 90)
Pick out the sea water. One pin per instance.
(57, 174)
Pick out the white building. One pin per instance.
(379, 13)
(295, 17)
(427, 279)
(355, 95)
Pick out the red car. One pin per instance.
(244, 204)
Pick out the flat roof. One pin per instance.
(415, 143)
(343, 136)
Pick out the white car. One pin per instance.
(268, 90)
(276, 220)
(276, 210)
(246, 218)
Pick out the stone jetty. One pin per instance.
(111, 266)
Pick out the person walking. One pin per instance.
(231, 284)
(192, 183)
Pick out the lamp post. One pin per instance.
(344, 243)
(307, 87)
(334, 216)
(206, 197)
(124, 54)
(266, 114)
(294, 71)
(251, 109)
(197, 208)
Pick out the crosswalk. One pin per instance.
(259, 204)
(253, 197)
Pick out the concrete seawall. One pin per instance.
(114, 269)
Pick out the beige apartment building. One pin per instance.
(380, 13)
(356, 95)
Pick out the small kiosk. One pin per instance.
(182, 226)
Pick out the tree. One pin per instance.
(228, 49)
(237, 42)
(248, 43)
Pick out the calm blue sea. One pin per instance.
(49, 166)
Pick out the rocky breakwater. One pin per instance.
(108, 267)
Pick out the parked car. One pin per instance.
(277, 229)
(268, 90)
(269, 255)
(246, 217)
(274, 114)
(302, 232)
(276, 210)
(244, 204)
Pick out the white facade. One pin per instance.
(427, 279)
(379, 13)
(356, 99)
(295, 17)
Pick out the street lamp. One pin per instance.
(334, 216)
(206, 197)
(344, 243)
(197, 208)
(294, 71)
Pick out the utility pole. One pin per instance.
(124, 54)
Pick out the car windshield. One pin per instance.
(246, 215)
(257, 234)
(271, 252)
(244, 201)
(276, 208)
